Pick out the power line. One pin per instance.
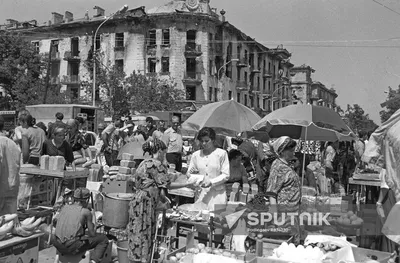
(394, 11)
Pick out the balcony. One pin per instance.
(69, 56)
(267, 73)
(243, 62)
(71, 80)
(119, 48)
(193, 50)
(255, 69)
(55, 56)
(314, 97)
(54, 80)
(242, 85)
(192, 77)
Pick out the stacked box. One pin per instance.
(110, 186)
(124, 170)
(44, 162)
(129, 164)
(128, 157)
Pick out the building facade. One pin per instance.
(305, 90)
(185, 40)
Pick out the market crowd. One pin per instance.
(275, 166)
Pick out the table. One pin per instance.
(20, 249)
(57, 178)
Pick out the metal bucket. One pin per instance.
(116, 209)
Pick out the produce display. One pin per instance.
(259, 202)
(195, 216)
(10, 224)
(207, 254)
(290, 252)
(350, 220)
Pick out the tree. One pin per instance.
(22, 71)
(358, 120)
(152, 93)
(121, 94)
(392, 104)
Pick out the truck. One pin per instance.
(10, 119)
(46, 113)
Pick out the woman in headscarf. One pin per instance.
(284, 184)
(150, 181)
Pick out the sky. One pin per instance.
(354, 46)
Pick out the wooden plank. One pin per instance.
(186, 192)
(366, 176)
(16, 240)
(69, 174)
(364, 182)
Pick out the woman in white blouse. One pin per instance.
(213, 163)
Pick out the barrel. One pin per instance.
(122, 248)
(116, 209)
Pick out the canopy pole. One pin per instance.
(304, 159)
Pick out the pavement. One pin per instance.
(47, 255)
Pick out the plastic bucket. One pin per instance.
(122, 248)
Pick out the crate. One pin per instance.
(111, 186)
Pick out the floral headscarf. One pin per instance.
(153, 146)
(280, 144)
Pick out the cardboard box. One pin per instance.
(17, 250)
(110, 186)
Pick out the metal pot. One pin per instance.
(116, 209)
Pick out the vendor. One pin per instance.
(58, 146)
(32, 140)
(284, 184)
(70, 237)
(238, 172)
(150, 183)
(213, 163)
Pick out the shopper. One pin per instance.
(32, 140)
(10, 160)
(173, 139)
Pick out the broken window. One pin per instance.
(191, 67)
(191, 38)
(74, 92)
(165, 37)
(152, 37)
(210, 93)
(215, 95)
(75, 47)
(36, 46)
(229, 95)
(119, 64)
(54, 46)
(210, 68)
(152, 65)
(165, 65)
(245, 99)
(238, 97)
(191, 92)
(119, 39)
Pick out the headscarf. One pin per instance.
(153, 146)
(280, 144)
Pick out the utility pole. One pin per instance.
(47, 78)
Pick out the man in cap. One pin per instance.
(173, 139)
(71, 237)
(58, 123)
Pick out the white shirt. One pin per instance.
(215, 166)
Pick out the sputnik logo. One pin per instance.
(231, 219)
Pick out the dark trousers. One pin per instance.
(175, 158)
(111, 158)
(34, 160)
(98, 243)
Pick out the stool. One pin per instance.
(84, 257)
